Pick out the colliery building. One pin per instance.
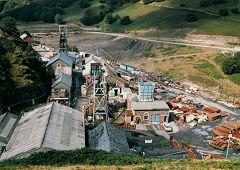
(109, 138)
(53, 126)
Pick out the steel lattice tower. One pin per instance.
(100, 107)
(63, 43)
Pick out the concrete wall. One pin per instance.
(63, 68)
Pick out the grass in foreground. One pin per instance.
(88, 158)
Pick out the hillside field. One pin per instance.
(168, 17)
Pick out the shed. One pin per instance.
(53, 126)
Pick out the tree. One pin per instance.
(58, 18)
(73, 48)
(191, 18)
(110, 19)
(126, 20)
(235, 11)
(9, 24)
(204, 3)
(84, 4)
(223, 12)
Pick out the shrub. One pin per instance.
(9, 24)
(145, 2)
(134, 1)
(73, 48)
(110, 19)
(92, 16)
(84, 4)
(231, 65)
(204, 3)
(235, 11)
(58, 18)
(182, 4)
(126, 20)
(223, 12)
(191, 18)
(219, 1)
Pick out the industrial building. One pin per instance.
(53, 126)
(109, 138)
(61, 89)
(150, 112)
(92, 65)
(61, 63)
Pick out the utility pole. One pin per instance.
(229, 136)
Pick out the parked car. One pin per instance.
(167, 127)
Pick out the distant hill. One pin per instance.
(22, 74)
(216, 17)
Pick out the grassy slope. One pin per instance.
(162, 164)
(200, 69)
(158, 15)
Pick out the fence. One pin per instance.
(32, 101)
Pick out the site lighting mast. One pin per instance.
(63, 43)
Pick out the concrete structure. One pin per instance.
(8, 123)
(61, 63)
(109, 138)
(52, 126)
(145, 90)
(150, 112)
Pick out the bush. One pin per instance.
(73, 48)
(134, 1)
(9, 24)
(204, 3)
(182, 4)
(235, 11)
(191, 18)
(145, 2)
(79, 156)
(126, 20)
(223, 12)
(58, 18)
(92, 16)
(231, 65)
(110, 19)
(218, 1)
(84, 4)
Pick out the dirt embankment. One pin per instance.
(213, 38)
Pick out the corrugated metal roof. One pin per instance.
(154, 105)
(52, 126)
(92, 58)
(8, 123)
(64, 79)
(109, 138)
(63, 57)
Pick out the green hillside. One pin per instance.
(168, 17)
(22, 75)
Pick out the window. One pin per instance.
(145, 117)
(58, 65)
